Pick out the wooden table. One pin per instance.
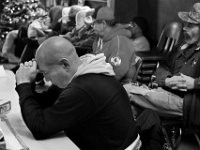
(8, 93)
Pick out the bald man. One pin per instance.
(90, 105)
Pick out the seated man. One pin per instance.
(114, 41)
(178, 76)
(82, 34)
(90, 105)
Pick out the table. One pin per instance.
(7, 92)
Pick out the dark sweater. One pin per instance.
(94, 112)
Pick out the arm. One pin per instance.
(71, 107)
(68, 110)
(165, 69)
(121, 47)
(25, 75)
(162, 73)
(48, 98)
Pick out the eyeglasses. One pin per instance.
(97, 22)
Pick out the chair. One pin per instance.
(172, 130)
(138, 65)
(188, 141)
(169, 37)
(146, 71)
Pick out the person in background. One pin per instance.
(16, 40)
(8, 49)
(83, 34)
(139, 30)
(55, 13)
(114, 41)
(66, 24)
(177, 76)
(69, 18)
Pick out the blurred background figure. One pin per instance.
(139, 32)
(81, 34)
(55, 13)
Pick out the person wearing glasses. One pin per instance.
(113, 39)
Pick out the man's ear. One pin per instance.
(65, 63)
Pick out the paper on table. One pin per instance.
(141, 90)
(2, 71)
(11, 142)
(5, 107)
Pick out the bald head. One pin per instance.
(54, 49)
(57, 60)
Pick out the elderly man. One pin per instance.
(90, 105)
(179, 76)
(114, 41)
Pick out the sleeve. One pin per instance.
(45, 99)
(162, 72)
(121, 47)
(71, 107)
(165, 68)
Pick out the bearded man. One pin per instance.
(179, 75)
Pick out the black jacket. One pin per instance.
(94, 111)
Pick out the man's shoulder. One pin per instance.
(121, 37)
(96, 82)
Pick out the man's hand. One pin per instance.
(189, 81)
(26, 72)
(176, 83)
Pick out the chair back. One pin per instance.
(138, 65)
(169, 37)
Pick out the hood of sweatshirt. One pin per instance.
(94, 64)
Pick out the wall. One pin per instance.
(125, 10)
(160, 12)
